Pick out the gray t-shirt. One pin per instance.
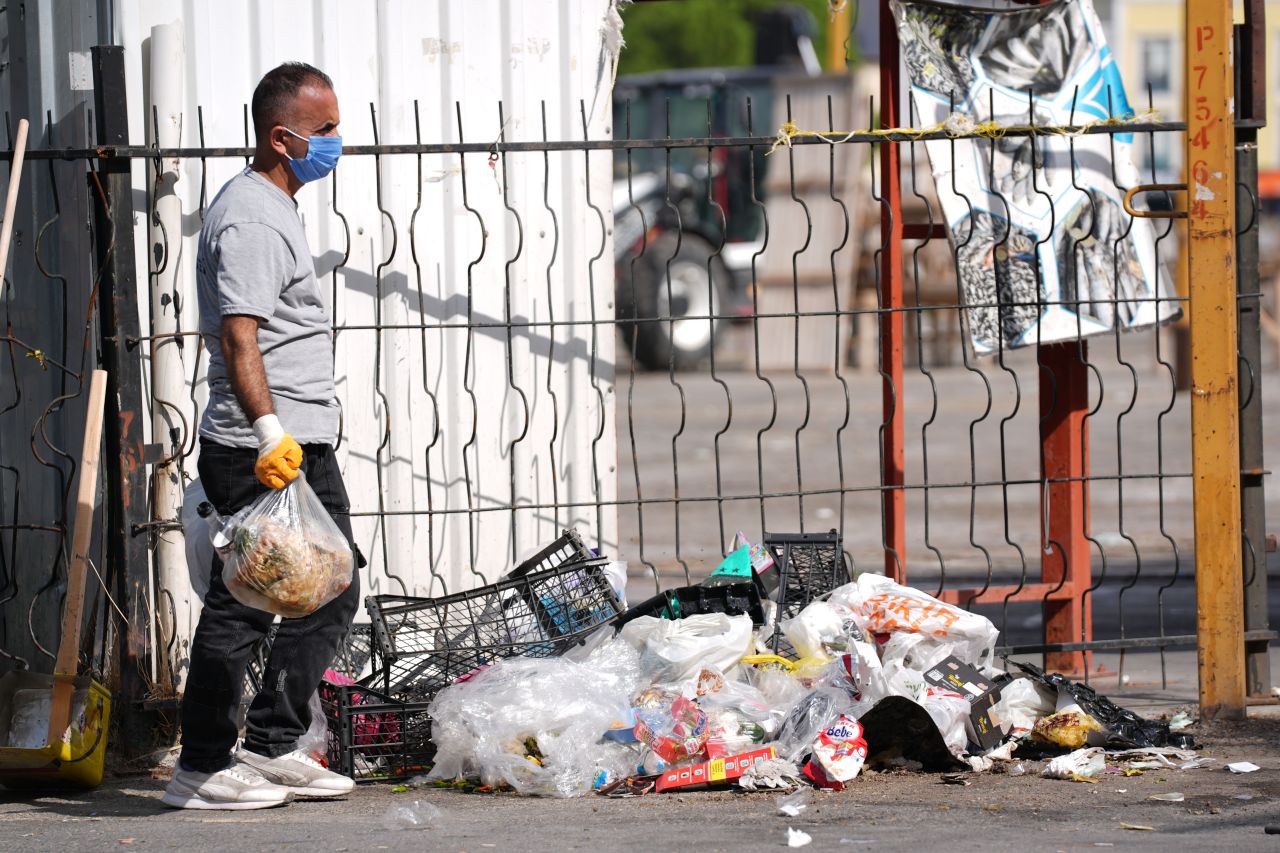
(254, 259)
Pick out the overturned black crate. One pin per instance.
(568, 550)
(810, 565)
(731, 599)
(373, 736)
(423, 645)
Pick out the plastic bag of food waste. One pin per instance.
(881, 606)
(285, 555)
(1069, 729)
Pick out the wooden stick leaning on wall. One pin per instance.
(73, 613)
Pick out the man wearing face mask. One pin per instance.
(272, 412)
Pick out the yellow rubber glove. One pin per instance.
(279, 456)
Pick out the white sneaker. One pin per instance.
(298, 772)
(236, 787)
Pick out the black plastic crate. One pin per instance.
(730, 599)
(810, 565)
(424, 645)
(565, 551)
(375, 737)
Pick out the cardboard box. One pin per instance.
(981, 693)
(714, 772)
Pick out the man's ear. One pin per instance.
(276, 139)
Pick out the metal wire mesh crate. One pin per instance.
(424, 645)
(568, 550)
(373, 736)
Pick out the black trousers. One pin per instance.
(228, 630)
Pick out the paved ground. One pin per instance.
(881, 811)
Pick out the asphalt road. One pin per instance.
(882, 811)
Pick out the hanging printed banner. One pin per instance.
(1045, 251)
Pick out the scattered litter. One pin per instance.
(1243, 767)
(1137, 826)
(1122, 790)
(1245, 797)
(412, 815)
(1170, 797)
(1195, 763)
(1081, 765)
(797, 838)
(792, 804)
(1271, 830)
(1123, 725)
(747, 680)
(1180, 720)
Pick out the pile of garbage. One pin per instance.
(774, 694)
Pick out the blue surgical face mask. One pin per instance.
(322, 155)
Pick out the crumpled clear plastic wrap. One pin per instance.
(480, 727)
(284, 554)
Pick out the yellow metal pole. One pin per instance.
(1215, 436)
(837, 34)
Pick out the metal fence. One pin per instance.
(770, 338)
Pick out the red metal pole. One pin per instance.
(893, 463)
(1064, 555)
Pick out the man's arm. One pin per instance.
(244, 365)
(279, 456)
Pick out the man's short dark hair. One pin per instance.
(276, 91)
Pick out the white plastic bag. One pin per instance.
(881, 606)
(1022, 702)
(286, 555)
(950, 712)
(815, 631)
(195, 530)
(675, 650)
(1083, 763)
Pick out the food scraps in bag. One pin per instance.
(1069, 729)
(286, 556)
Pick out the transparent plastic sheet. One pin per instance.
(485, 728)
(315, 740)
(284, 554)
(810, 717)
(880, 606)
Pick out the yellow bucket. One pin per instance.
(73, 762)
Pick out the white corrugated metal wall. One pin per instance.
(442, 264)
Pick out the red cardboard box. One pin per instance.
(712, 772)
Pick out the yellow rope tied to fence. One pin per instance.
(955, 126)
